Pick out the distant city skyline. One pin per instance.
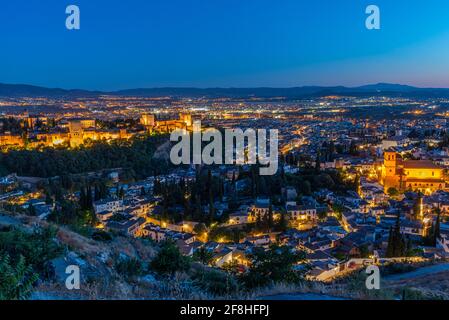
(174, 43)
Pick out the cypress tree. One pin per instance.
(437, 227)
(283, 224)
(253, 182)
(390, 246)
(398, 246)
(317, 162)
(89, 200)
(417, 206)
(82, 201)
(211, 206)
(97, 193)
(198, 211)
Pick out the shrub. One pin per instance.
(101, 236)
(215, 282)
(129, 267)
(272, 266)
(16, 279)
(169, 260)
(38, 248)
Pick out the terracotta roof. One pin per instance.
(417, 164)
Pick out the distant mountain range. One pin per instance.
(380, 89)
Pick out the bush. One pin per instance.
(215, 282)
(38, 248)
(396, 268)
(169, 260)
(415, 294)
(200, 228)
(221, 234)
(129, 267)
(274, 265)
(101, 236)
(203, 255)
(16, 279)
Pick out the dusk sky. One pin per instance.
(232, 43)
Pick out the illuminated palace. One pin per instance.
(76, 131)
(416, 175)
(185, 121)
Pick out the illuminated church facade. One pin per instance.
(413, 175)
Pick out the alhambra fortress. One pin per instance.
(74, 132)
(403, 175)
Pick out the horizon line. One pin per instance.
(226, 87)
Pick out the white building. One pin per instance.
(111, 205)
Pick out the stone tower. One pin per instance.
(390, 163)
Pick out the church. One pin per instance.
(413, 175)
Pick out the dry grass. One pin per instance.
(434, 285)
(303, 287)
(79, 243)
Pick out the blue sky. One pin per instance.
(226, 43)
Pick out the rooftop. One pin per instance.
(419, 164)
